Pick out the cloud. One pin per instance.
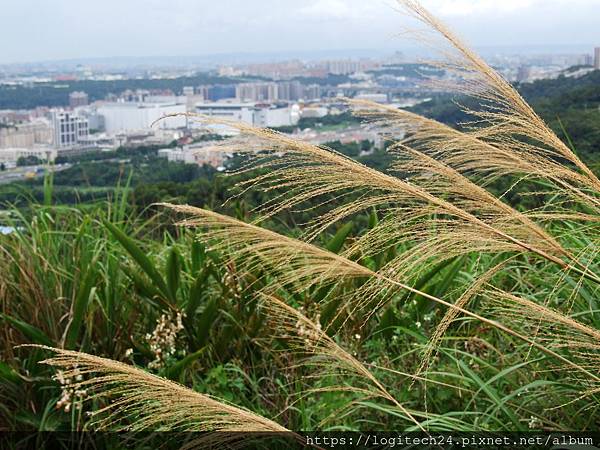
(480, 7)
(461, 8)
(74, 28)
(341, 9)
(326, 9)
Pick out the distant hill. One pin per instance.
(567, 104)
(55, 94)
(564, 92)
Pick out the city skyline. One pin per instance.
(67, 29)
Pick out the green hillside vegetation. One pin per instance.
(571, 106)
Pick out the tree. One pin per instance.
(28, 161)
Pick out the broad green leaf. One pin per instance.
(174, 372)
(85, 294)
(141, 259)
(173, 272)
(34, 334)
(7, 373)
(337, 242)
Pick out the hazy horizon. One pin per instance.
(70, 30)
(246, 57)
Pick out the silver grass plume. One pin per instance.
(136, 400)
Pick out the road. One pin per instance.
(20, 173)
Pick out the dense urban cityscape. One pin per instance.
(274, 95)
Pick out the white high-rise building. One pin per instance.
(312, 92)
(597, 58)
(70, 129)
(343, 67)
(257, 92)
(290, 90)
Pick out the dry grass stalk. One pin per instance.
(552, 329)
(506, 112)
(467, 153)
(307, 337)
(452, 314)
(298, 263)
(331, 267)
(305, 171)
(533, 313)
(139, 401)
(442, 211)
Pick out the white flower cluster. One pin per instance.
(310, 334)
(70, 396)
(163, 340)
(534, 423)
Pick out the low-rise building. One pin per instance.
(314, 112)
(206, 153)
(272, 116)
(12, 155)
(26, 134)
(373, 97)
(256, 114)
(122, 117)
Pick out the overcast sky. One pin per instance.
(39, 30)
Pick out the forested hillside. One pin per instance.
(569, 105)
